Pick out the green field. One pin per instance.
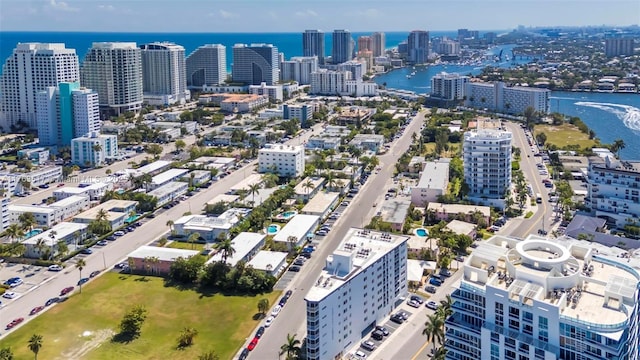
(82, 327)
(186, 245)
(565, 134)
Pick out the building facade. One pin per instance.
(299, 69)
(487, 162)
(256, 63)
(434, 182)
(31, 68)
(313, 44)
(511, 100)
(66, 112)
(114, 70)
(418, 47)
(449, 86)
(378, 44)
(329, 82)
(614, 189)
(273, 92)
(164, 74)
(620, 46)
(342, 47)
(359, 286)
(207, 66)
(365, 43)
(93, 149)
(283, 160)
(542, 299)
(304, 113)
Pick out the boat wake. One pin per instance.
(630, 115)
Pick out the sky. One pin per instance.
(297, 15)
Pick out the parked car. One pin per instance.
(9, 295)
(51, 301)
(383, 330)
(268, 321)
(119, 233)
(404, 314)
(276, 310)
(102, 243)
(460, 258)
(435, 282)
(111, 237)
(13, 282)
(83, 281)
(445, 272)
(36, 310)
(413, 303)
(55, 267)
(244, 354)
(94, 274)
(431, 289)
(360, 355)
(299, 261)
(14, 323)
(294, 268)
(253, 343)
(260, 332)
(368, 345)
(86, 251)
(417, 299)
(432, 305)
(66, 290)
(398, 319)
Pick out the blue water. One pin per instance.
(272, 229)
(421, 232)
(32, 233)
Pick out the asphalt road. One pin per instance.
(104, 258)
(292, 319)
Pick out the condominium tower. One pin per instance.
(361, 283)
(619, 46)
(313, 44)
(93, 149)
(32, 67)
(256, 63)
(487, 162)
(207, 66)
(65, 112)
(507, 99)
(114, 70)
(418, 47)
(164, 80)
(365, 43)
(299, 69)
(448, 87)
(544, 299)
(283, 160)
(342, 47)
(378, 44)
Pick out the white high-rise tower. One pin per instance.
(207, 65)
(164, 74)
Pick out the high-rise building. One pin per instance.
(499, 97)
(32, 68)
(114, 70)
(329, 82)
(207, 66)
(313, 44)
(448, 86)
(544, 299)
(342, 47)
(614, 189)
(418, 47)
(65, 112)
(357, 69)
(93, 149)
(365, 43)
(361, 283)
(378, 44)
(164, 74)
(255, 64)
(619, 46)
(299, 69)
(448, 47)
(487, 162)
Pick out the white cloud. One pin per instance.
(61, 5)
(226, 14)
(306, 13)
(106, 7)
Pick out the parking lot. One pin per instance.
(390, 326)
(31, 275)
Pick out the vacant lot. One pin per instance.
(564, 135)
(186, 245)
(82, 327)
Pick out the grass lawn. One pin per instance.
(186, 245)
(223, 322)
(563, 135)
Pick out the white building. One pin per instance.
(164, 74)
(487, 163)
(95, 191)
(166, 177)
(614, 189)
(68, 232)
(207, 65)
(209, 228)
(5, 216)
(448, 86)
(323, 143)
(513, 100)
(358, 88)
(71, 205)
(299, 69)
(39, 156)
(284, 160)
(246, 246)
(274, 92)
(271, 262)
(360, 285)
(199, 177)
(65, 112)
(10, 182)
(321, 204)
(256, 63)
(94, 149)
(329, 82)
(45, 216)
(378, 44)
(32, 67)
(297, 230)
(118, 212)
(543, 299)
(356, 68)
(114, 70)
(169, 192)
(368, 142)
(434, 182)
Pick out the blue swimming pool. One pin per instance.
(421, 232)
(32, 233)
(273, 229)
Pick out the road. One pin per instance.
(292, 319)
(116, 251)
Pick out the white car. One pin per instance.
(119, 233)
(276, 310)
(269, 321)
(360, 355)
(432, 305)
(55, 267)
(9, 295)
(413, 303)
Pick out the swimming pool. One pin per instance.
(422, 232)
(287, 215)
(273, 229)
(32, 233)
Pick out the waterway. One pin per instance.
(610, 116)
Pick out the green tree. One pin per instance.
(186, 337)
(225, 247)
(14, 232)
(131, 324)
(63, 248)
(192, 239)
(35, 344)
(80, 264)
(529, 116)
(163, 241)
(541, 138)
(269, 180)
(153, 149)
(253, 190)
(433, 329)
(27, 220)
(291, 347)
(180, 145)
(209, 355)
(617, 145)
(263, 306)
(6, 354)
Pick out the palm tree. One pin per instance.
(308, 185)
(374, 161)
(63, 248)
(102, 215)
(14, 232)
(192, 239)
(253, 190)
(263, 306)
(446, 304)
(618, 145)
(52, 236)
(440, 353)
(28, 220)
(35, 344)
(291, 347)
(433, 328)
(40, 244)
(170, 225)
(186, 337)
(80, 264)
(269, 180)
(225, 247)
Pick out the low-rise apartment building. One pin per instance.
(283, 160)
(434, 182)
(169, 192)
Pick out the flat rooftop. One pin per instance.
(395, 211)
(567, 274)
(246, 182)
(168, 188)
(224, 198)
(320, 202)
(363, 247)
(267, 260)
(62, 230)
(458, 208)
(69, 201)
(154, 166)
(162, 253)
(434, 176)
(301, 188)
(299, 226)
(32, 208)
(243, 244)
(168, 175)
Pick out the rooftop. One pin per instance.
(246, 182)
(358, 250)
(32, 208)
(568, 275)
(244, 243)
(168, 188)
(297, 227)
(461, 227)
(154, 166)
(458, 208)
(320, 202)
(301, 188)
(271, 148)
(267, 260)
(62, 230)
(223, 197)
(168, 175)
(69, 200)
(435, 175)
(162, 253)
(395, 211)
